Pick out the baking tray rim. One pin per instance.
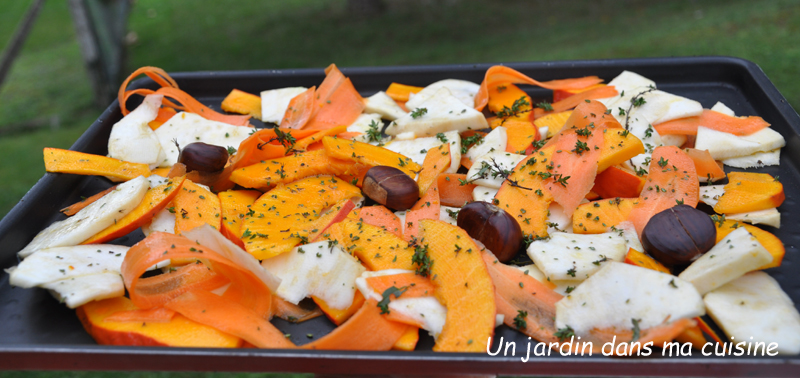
(24, 356)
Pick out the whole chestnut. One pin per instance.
(203, 157)
(679, 235)
(390, 187)
(493, 227)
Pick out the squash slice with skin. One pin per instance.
(235, 204)
(177, 332)
(285, 215)
(771, 242)
(748, 191)
(155, 200)
(463, 286)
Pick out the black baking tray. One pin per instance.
(39, 333)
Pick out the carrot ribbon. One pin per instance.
(169, 88)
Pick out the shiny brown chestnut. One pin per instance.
(493, 227)
(390, 187)
(203, 157)
(679, 235)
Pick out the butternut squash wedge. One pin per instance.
(195, 206)
(155, 200)
(286, 215)
(66, 161)
(748, 191)
(368, 154)
(235, 204)
(463, 286)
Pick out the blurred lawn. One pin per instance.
(48, 81)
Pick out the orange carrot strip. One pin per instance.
(367, 329)
(190, 104)
(712, 120)
(291, 312)
(153, 292)
(516, 291)
(342, 107)
(229, 317)
(155, 200)
(451, 192)
(560, 94)
(707, 330)
(252, 291)
(262, 145)
(169, 88)
(316, 138)
(401, 92)
(707, 168)
(153, 315)
(672, 179)
(299, 111)
(575, 159)
(437, 160)
(426, 208)
(78, 206)
(499, 74)
(576, 99)
(156, 74)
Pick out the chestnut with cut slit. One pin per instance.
(492, 226)
(203, 157)
(390, 187)
(679, 235)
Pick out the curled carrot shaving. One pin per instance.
(169, 88)
(299, 111)
(500, 74)
(713, 120)
(244, 308)
(576, 99)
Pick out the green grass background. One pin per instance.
(48, 81)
